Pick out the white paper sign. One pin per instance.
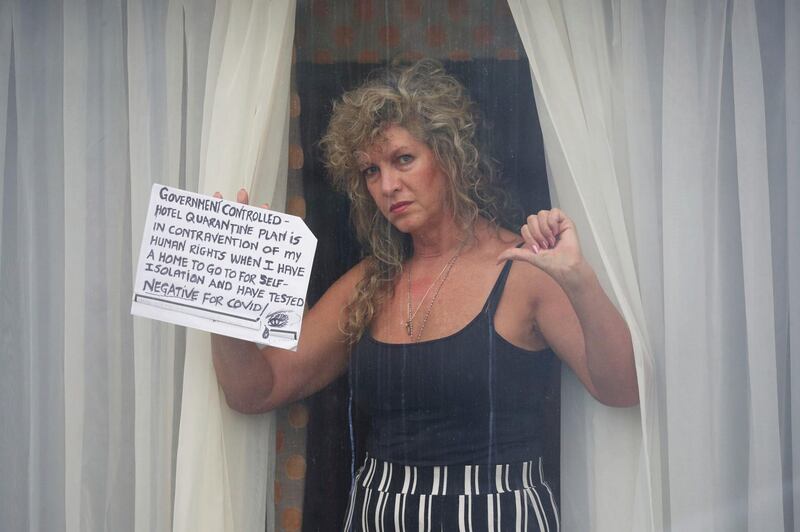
(223, 267)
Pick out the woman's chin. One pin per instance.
(403, 228)
(401, 223)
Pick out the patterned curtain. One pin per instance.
(292, 420)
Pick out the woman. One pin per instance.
(448, 326)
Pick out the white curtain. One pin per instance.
(98, 100)
(671, 133)
(226, 460)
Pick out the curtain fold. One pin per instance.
(765, 497)
(32, 456)
(163, 119)
(573, 86)
(98, 355)
(5, 82)
(791, 397)
(669, 130)
(225, 461)
(695, 195)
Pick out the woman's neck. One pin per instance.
(444, 239)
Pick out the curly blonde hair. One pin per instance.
(435, 108)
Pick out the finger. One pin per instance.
(554, 222)
(535, 231)
(265, 205)
(544, 227)
(242, 196)
(217, 195)
(530, 243)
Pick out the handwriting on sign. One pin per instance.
(223, 267)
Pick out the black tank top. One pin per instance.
(468, 398)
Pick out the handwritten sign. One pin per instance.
(223, 267)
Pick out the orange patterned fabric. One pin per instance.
(372, 31)
(291, 422)
(290, 466)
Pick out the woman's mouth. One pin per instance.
(399, 207)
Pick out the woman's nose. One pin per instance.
(390, 181)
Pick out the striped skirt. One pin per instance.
(390, 497)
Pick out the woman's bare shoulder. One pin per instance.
(499, 238)
(357, 272)
(345, 285)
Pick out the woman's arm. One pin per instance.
(574, 314)
(258, 380)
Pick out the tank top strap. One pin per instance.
(497, 290)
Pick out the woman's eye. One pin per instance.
(405, 159)
(369, 171)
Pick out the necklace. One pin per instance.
(411, 315)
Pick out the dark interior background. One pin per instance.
(502, 90)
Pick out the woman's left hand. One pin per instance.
(551, 244)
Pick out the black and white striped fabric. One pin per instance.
(390, 497)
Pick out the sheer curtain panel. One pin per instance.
(671, 131)
(225, 459)
(98, 100)
(167, 53)
(32, 267)
(605, 455)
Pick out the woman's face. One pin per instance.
(405, 180)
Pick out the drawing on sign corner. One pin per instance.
(282, 322)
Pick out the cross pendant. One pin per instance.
(409, 329)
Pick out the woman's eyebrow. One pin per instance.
(399, 148)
